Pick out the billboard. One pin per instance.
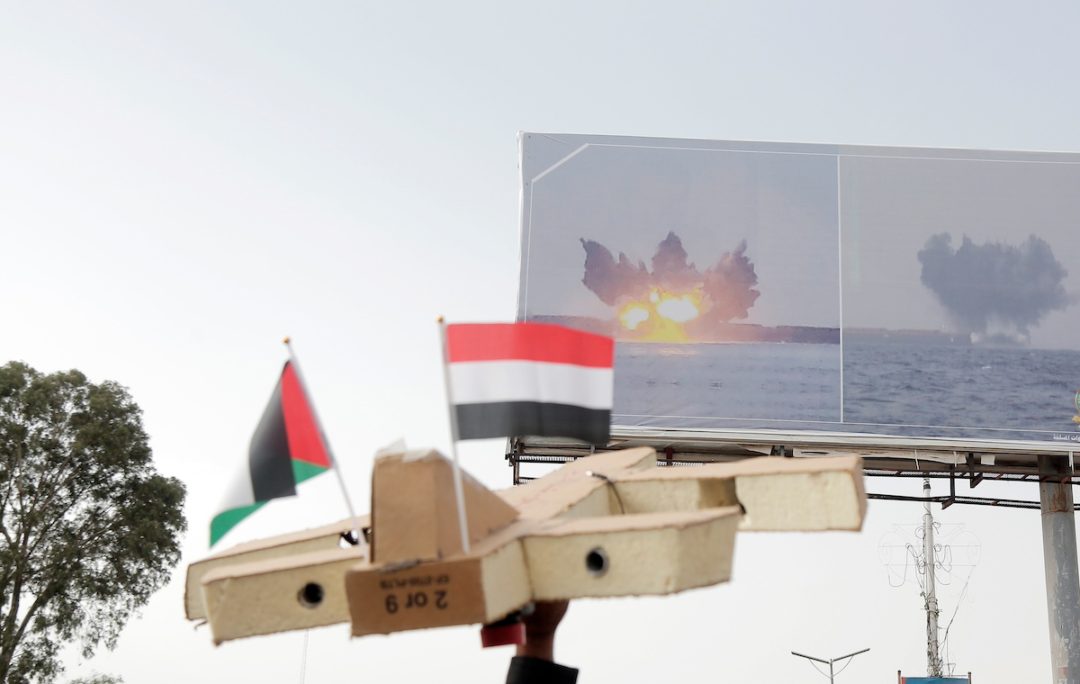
(799, 287)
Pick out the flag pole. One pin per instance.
(459, 494)
(326, 442)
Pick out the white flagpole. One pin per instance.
(459, 494)
(326, 442)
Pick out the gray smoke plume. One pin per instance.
(670, 269)
(727, 287)
(994, 283)
(611, 280)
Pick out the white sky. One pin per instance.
(183, 184)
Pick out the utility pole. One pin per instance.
(933, 656)
(830, 662)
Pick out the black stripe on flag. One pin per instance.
(268, 458)
(534, 418)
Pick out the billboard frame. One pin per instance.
(532, 171)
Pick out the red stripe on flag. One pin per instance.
(305, 441)
(528, 342)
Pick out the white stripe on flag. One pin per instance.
(240, 492)
(483, 382)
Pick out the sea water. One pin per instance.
(876, 386)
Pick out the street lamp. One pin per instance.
(830, 662)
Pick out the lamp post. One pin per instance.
(831, 662)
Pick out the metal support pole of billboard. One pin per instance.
(933, 655)
(1060, 565)
(830, 662)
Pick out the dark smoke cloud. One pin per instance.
(994, 283)
(609, 279)
(727, 287)
(670, 269)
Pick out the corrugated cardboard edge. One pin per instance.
(560, 492)
(644, 554)
(315, 539)
(218, 583)
(828, 471)
(819, 499)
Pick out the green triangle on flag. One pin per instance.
(302, 470)
(226, 520)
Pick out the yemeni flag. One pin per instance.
(287, 448)
(514, 379)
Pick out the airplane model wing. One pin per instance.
(611, 524)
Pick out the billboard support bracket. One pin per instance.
(952, 488)
(974, 478)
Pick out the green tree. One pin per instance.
(88, 528)
(98, 679)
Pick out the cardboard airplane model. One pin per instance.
(612, 524)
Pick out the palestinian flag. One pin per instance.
(514, 379)
(287, 448)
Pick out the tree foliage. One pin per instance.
(88, 528)
(98, 679)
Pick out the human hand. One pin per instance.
(540, 626)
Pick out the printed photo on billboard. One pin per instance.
(769, 286)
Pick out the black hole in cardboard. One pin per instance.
(311, 595)
(596, 562)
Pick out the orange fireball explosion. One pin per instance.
(661, 316)
(659, 304)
